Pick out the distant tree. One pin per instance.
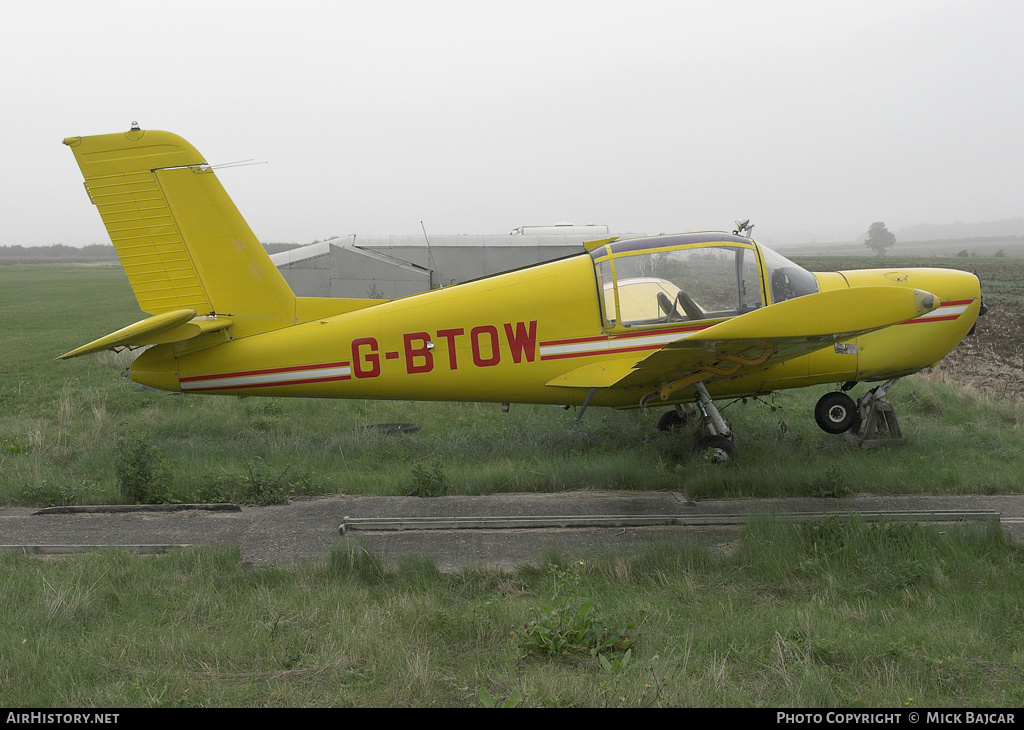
(880, 239)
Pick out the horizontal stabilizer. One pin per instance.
(173, 326)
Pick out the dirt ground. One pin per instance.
(992, 359)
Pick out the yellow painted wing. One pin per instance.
(759, 339)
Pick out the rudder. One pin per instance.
(180, 238)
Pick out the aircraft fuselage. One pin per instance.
(506, 337)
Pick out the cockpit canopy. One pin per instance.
(697, 276)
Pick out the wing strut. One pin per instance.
(583, 408)
(707, 371)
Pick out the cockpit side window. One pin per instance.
(680, 284)
(785, 279)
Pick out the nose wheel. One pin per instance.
(860, 421)
(836, 413)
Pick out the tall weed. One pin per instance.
(570, 624)
(142, 475)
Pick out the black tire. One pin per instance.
(836, 413)
(670, 421)
(715, 449)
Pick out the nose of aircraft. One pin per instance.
(926, 301)
(947, 302)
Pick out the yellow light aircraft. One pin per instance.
(678, 320)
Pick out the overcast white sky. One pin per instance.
(814, 119)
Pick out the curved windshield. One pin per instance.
(676, 285)
(785, 279)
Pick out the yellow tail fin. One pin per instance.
(181, 240)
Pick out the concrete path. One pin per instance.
(309, 528)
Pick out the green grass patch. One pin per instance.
(819, 614)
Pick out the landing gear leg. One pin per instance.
(873, 412)
(717, 445)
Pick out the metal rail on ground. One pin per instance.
(369, 524)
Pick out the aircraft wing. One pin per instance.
(758, 339)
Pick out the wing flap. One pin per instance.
(596, 375)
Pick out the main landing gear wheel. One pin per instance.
(836, 413)
(671, 420)
(716, 445)
(714, 449)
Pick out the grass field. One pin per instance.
(840, 615)
(66, 425)
(845, 614)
